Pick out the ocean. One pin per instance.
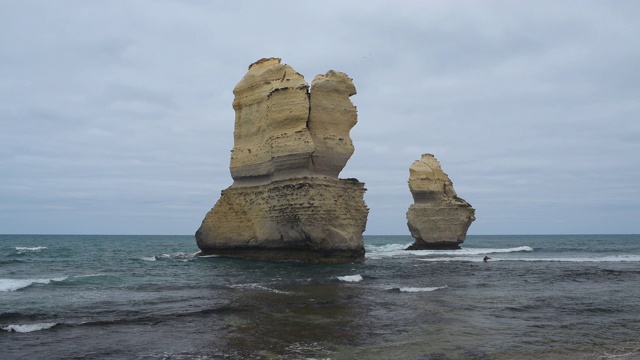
(148, 297)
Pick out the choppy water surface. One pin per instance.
(148, 297)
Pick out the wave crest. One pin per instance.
(398, 250)
(27, 328)
(22, 250)
(350, 278)
(179, 256)
(16, 284)
(255, 286)
(421, 289)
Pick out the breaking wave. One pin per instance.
(27, 328)
(398, 250)
(418, 289)
(595, 259)
(16, 284)
(255, 286)
(179, 256)
(350, 278)
(89, 275)
(22, 250)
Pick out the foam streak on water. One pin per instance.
(27, 328)
(21, 249)
(415, 289)
(350, 278)
(16, 284)
(593, 259)
(398, 250)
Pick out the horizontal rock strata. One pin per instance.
(438, 218)
(331, 116)
(309, 219)
(290, 143)
(270, 134)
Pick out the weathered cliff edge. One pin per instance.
(290, 144)
(438, 219)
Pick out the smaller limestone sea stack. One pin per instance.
(438, 219)
(290, 143)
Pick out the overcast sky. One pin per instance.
(116, 117)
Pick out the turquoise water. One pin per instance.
(147, 297)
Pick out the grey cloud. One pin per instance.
(116, 116)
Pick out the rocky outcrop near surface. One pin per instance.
(290, 144)
(438, 218)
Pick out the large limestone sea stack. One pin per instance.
(290, 144)
(438, 219)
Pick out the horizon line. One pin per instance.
(408, 235)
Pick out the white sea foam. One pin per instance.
(256, 286)
(179, 256)
(387, 248)
(22, 250)
(89, 275)
(616, 258)
(350, 278)
(149, 258)
(27, 328)
(450, 259)
(398, 250)
(385, 251)
(16, 284)
(421, 289)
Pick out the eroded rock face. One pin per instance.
(331, 117)
(290, 144)
(270, 134)
(438, 219)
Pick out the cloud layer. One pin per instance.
(116, 116)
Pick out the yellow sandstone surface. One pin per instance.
(331, 117)
(270, 134)
(438, 218)
(306, 219)
(290, 144)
